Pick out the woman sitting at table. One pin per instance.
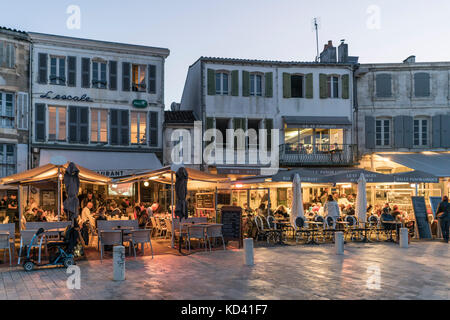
(41, 216)
(281, 212)
(396, 213)
(100, 215)
(115, 213)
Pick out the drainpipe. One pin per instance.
(355, 111)
(30, 100)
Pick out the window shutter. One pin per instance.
(436, 135)
(114, 127)
(235, 83)
(73, 124)
(309, 86)
(72, 71)
(126, 77)
(113, 75)
(323, 86)
(269, 84)
(345, 86)
(40, 122)
(422, 84)
(152, 78)
(399, 133)
(2, 53)
(42, 66)
(11, 55)
(245, 83)
(153, 129)
(384, 85)
(287, 85)
(83, 125)
(85, 72)
(22, 110)
(124, 128)
(209, 123)
(408, 128)
(445, 131)
(211, 82)
(268, 125)
(370, 132)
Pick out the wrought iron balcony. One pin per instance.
(296, 154)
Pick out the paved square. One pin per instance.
(292, 272)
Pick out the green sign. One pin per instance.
(140, 104)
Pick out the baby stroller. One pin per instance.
(60, 253)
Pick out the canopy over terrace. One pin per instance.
(51, 172)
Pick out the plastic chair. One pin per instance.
(214, 232)
(196, 232)
(5, 244)
(109, 238)
(25, 241)
(141, 236)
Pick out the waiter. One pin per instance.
(443, 214)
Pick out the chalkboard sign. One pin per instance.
(434, 202)
(420, 211)
(231, 218)
(204, 201)
(224, 198)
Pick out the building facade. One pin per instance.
(404, 117)
(14, 101)
(311, 104)
(97, 103)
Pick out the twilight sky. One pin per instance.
(376, 30)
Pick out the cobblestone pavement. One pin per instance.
(291, 272)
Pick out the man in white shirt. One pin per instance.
(86, 215)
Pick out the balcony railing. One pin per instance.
(296, 154)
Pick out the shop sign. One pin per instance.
(140, 103)
(51, 95)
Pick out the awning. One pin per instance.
(110, 164)
(349, 175)
(49, 172)
(415, 177)
(317, 122)
(436, 164)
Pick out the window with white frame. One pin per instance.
(99, 75)
(7, 110)
(57, 123)
(58, 70)
(139, 73)
(383, 132)
(99, 126)
(222, 83)
(333, 86)
(7, 159)
(138, 127)
(421, 129)
(256, 84)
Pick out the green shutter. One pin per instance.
(209, 123)
(269, 84)
(309, 86)
(269, 126)
(235, 83)
(245, 83)
(345, 86)
(323, 86)
(211, 82)
(286, 85)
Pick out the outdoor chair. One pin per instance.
(4, 245)
(196, 232)
(154, 226)
(141, 236)
(25, 242)
(265, 233)
(329, 227)
(215, 232)
(162, 228)
(374, 226)
(168, 228)
(320, 232)
(109, 238)
(352, 228)
(301, 229)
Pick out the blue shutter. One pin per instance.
(124, 128)
(383, 85)
(445, 131)
(153, 124)
(40, 122)
(42, 66)
(398, 132)
(113, 75)
(151, 78)
(436, 135)
(72, 71)
(85, 72)
(408, 134)
(114, 127)
(370, 132)
(126, 77)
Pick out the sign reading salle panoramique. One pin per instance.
(51, 95)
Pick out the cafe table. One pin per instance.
(125, 231)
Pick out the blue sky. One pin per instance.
(257, 29)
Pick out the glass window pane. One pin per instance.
(134, 127)
(94, 126)
(218, 84)
(252, 84)
(104, 126)
(258, 85)
(62, 124)
(51, 123)
(225, 83)
(142, 128)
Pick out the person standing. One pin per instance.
(331, 208)
(443, 214)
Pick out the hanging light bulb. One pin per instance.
(146, 184)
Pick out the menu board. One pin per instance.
(420, 212)
(434, 202)
(224, 198)
(204, 200)
(231, 218)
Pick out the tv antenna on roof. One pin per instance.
(316, 26)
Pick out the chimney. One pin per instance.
(328, 54)
(343, 52)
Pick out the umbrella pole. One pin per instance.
(59, 194)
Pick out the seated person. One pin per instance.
(262, 210)
(349, 211)
(143, 219)
(281, 212)
(40, 216)
(100, 215)
(385, 216)
(396, 213)
(386, 208)
(115, 211)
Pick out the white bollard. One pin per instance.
(119, 263)
(339, 242)
(403, 237)
(248, 251)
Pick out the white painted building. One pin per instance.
(99, 104)
(311, 104)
